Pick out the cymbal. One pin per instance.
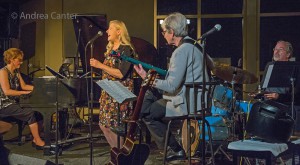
(230, 73)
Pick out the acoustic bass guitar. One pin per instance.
(132, 152)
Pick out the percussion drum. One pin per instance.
(218, 128)
(243, 106)
(215, 111)
(222, 97)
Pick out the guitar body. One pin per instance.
(132, 153)
(137, 156)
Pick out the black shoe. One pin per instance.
(37, 147)
(171, 155)
(33, 144)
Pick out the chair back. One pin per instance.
(194, 97)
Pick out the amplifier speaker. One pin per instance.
(270, 121)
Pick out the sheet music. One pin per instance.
(268, 75)
(116, 90)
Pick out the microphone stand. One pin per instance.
(91, 108)
(57, 120)
(232, 110)
(31, 74)
(203, 99)
(90, 101)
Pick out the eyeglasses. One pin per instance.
(20, 60)
(164, 32)
(278, 49)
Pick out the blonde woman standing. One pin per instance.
(113, 68)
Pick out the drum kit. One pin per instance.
(228, 113)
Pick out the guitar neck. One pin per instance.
(136, 113)
(147, 82)
(145, 65)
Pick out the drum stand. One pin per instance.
(233, 113)
(230, 124)
(220, 149)
(225, 142)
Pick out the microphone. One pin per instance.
(30, 65)
(95, 37)
(216, 28)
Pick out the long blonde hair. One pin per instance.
(124, 36)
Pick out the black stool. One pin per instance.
(21, 126)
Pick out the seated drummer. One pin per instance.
(12, 86)
(283, 51)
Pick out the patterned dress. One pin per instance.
(9, 106)
(14, 83)
(108, 115)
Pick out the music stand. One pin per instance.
(119, 92)
(58, 76)
(54, 73)
(282, 74)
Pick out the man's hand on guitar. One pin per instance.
(158, 76)
(140, 70)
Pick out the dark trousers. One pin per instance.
(153, 111)
(15, 111)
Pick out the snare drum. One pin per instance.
(243, 106)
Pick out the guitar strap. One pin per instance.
(209, 62)
(193, 42)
